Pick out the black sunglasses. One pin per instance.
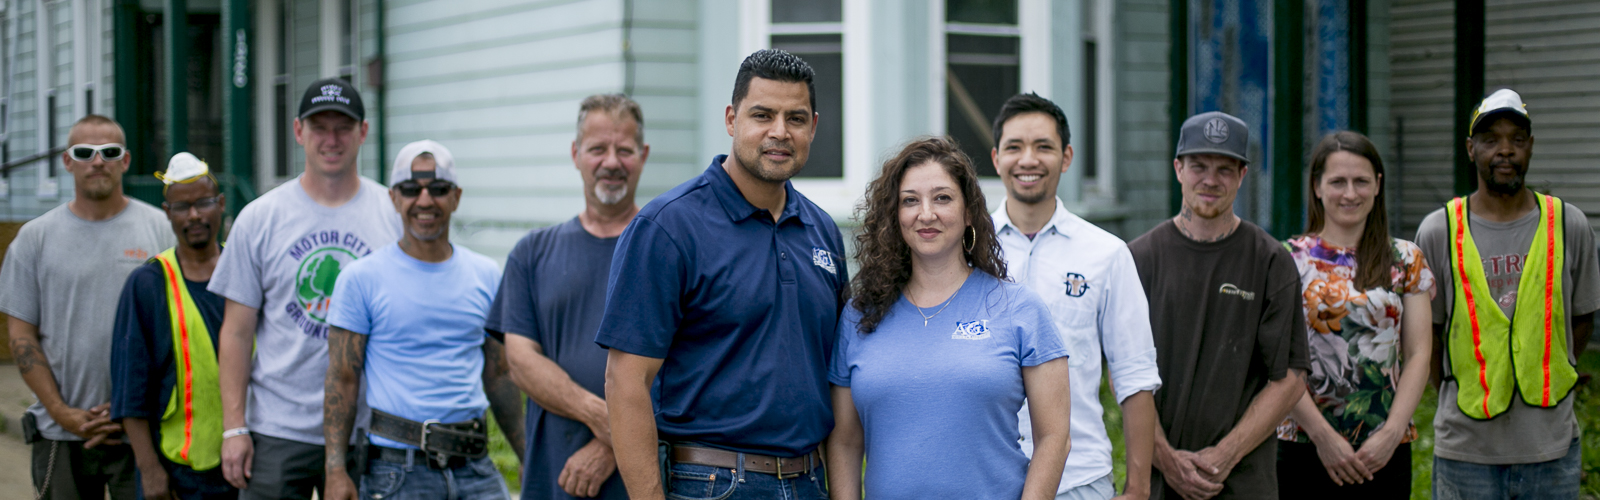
(412, 189)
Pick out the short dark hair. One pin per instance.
(1031, 103)
(776, 65)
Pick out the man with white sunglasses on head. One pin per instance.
(59, 285)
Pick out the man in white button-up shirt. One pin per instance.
(1087, 278)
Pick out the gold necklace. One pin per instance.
(926, 317)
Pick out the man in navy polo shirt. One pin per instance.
(729, 287)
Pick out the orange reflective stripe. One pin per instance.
(1472, 304)
(188, 368)
(1549, 287)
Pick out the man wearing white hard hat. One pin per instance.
(1505, 427)
(285, 251)
(164, 388)
(409, 321)
(59, 286)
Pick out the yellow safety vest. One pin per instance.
(1490, 355)
(191, 426)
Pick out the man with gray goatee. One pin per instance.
(551, 300)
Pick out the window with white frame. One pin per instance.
(982, 69)
(814, 31)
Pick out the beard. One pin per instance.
(99, 189)
(1508, 187)
(198, 242)
(1030, 198)
(755, 164)
(610, 196)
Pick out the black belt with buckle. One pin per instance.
(447, 445)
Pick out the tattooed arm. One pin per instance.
(347, 357)
(504, 397)
(93, 424)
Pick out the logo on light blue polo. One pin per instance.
(1077, 285)
(971, 330)
(824, 259)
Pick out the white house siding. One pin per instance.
(1422, 90)
(499, 82)
(1549, 52)
(1144, 147)
(24, 102)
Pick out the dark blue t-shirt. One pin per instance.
(741, 309)
(142, 372)
(553, 291)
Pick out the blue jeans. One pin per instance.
(415, 480)
(1556, 479)
(701, 482)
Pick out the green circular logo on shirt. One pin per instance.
(315, 278)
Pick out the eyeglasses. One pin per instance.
(184, 206)
(107, 152)
(412, 189)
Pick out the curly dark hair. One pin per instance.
(884, 256)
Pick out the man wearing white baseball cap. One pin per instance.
(1505, 426)
(285, 252)
(164, 359)
(409, 321)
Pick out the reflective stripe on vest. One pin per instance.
(191, 426)
(1490, 355)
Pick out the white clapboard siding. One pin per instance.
(1144, 147)
(1549, 52)
(499, 82)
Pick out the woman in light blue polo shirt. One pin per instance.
(936, 351)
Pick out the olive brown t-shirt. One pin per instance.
(1226, 318)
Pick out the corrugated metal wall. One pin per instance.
(1549, 52)
(1422, 88)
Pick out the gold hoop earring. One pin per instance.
(974, 243)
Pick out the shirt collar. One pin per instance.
(737, 207)
(1063, 221)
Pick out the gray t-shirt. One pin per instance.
(284, 253)
(1523, 434)
(64, 275)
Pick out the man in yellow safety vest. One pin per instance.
(164, 357)
(1524, 287)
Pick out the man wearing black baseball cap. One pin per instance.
(284, 253)
(1230, 341)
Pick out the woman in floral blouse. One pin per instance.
(1367, 306)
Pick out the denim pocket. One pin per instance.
(382, 480)
(699, 482)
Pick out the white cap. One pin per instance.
(1503, 100)
(182, 169)
(444, 163)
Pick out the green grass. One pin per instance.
(500, 452)
(1587, 408)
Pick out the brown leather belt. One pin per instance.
(784, 468)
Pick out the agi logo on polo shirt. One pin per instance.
(824, 259)
(971, 330)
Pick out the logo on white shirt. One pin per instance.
(824, 259)
(971, 330)
(1077, 285)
